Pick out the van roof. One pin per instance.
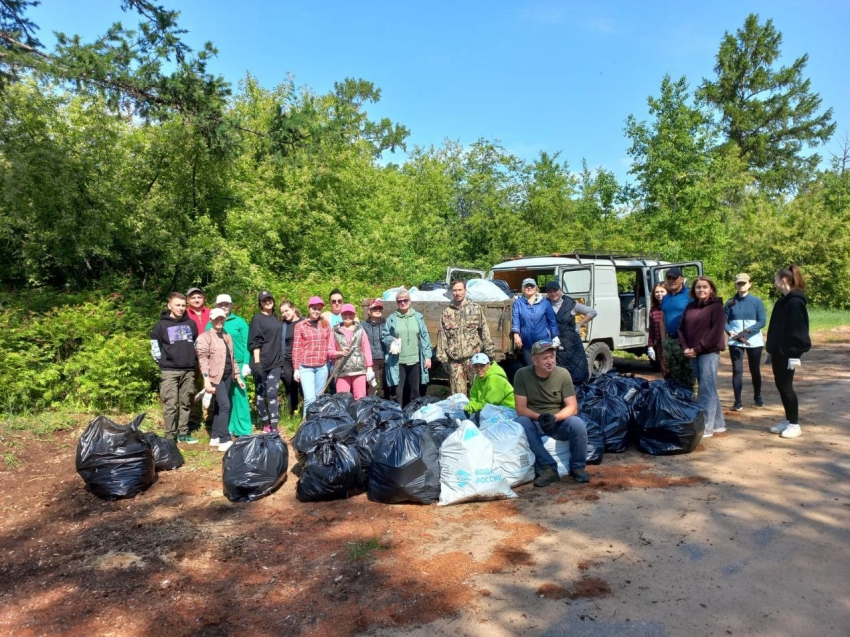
(533, 263)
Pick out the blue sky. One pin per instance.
(537, 75)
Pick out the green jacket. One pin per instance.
(492, 389)
(389, 332)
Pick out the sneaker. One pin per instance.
(547, 476)
(213, 442)
(719, 431)
(779, 428)
(737, 407)
(225, 445)
(580, 476)
(791, 431)
(267, 429)
(187, 440)
(759, 402)
(707, 434)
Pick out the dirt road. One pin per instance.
(749, 535)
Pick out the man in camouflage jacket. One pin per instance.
(463, 333)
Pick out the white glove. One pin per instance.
(794, 363)
(370, 375)
(297, 375)
(557, 343)
(650, 351)
(206, 400)
(395, 346)
(246, 370)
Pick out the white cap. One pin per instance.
(480, 359)
(223, 298)
(217, 312)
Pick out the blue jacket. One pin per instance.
(535, 321)
(746, 313)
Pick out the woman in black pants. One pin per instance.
(289, 318)
(787, 340)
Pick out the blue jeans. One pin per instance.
(572, 429)
(312, 380)
(705, 371)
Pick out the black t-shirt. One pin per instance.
(228, 366)
(264, 335)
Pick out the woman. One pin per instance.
(787, 340)
(745, 319)
(373, 326)
(266, 360)
(702, 337)
(350, 349)
(572, 356)
(219, 369)
(289, 318)
(409, 349)
(310, 351)
(237, 328)
(490, 386)
(533, 320)
(655, 351)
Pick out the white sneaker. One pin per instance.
(213, 442)
(722, 430)
(708, 434)
(225, 445)
(791, 431)
(779, 428)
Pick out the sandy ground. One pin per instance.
(746, 536)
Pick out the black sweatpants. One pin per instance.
(291, 389)
(221, 414)
(736, 353)
(784, 379)
(267, 403)
(408, 383)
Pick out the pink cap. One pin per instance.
(316, 300)
(348, 307)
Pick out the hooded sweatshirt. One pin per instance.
(788, 333)
(703, 327)
(173, 342)
(493, 389)
(533, 321)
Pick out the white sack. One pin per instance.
(484, 290)
(511, 451)
(468, 470)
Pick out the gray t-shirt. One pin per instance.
(544, 395)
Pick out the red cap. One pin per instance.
(376, 303)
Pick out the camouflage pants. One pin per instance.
(678, 364)
(461, 375)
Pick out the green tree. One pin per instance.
(768, 113)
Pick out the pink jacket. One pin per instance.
(211, 352)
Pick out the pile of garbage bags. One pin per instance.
(119, 461)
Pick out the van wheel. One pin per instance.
(599, 359)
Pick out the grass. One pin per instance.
(821, 319)
(361, 549)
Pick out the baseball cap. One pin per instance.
(743, 276)
(480, 359)
(674, 273)
(376, 303)
(192, 291)
(217, 313)
(552, 285)
(529, 281)
(316, 300)
(223, 298)
(265, 294)
(348, 307)
(541, 346)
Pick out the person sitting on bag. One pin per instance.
(490, 386)
(546, 406)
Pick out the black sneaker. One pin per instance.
(547, 476)
(759, 402)
(737, 407)
(580, 476)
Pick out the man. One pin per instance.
(173, 348)
(463, 333)
(334, 316)
(237, 328)
(673, 305)
(546, 406)
(490, 387)
(372, 326)
(197, 310)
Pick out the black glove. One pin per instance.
(547, 423)
(256, 368)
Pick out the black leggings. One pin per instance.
(292, 389)
(784, 379)
(736, 353)
(408, 383)
(267, 403)
(221, 414)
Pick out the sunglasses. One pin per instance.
(336, 302)
(376, 309)
(400, 301)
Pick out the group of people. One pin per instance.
(690, 327)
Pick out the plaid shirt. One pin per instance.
(310, 344)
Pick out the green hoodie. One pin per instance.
(493, 389)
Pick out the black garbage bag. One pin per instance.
(254, 467)
(595, 441)
(375, 412)
(327, 404)
(336, 424)
(166, 455)
(370, 403)
(405, 466)
(367, 441)
(613, 415)
(414, 405)
(441, 428)
(114, 460)
(587, 390)
(666, 386)
(670, 424)
(330, 471)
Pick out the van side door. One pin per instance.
(577, 282)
